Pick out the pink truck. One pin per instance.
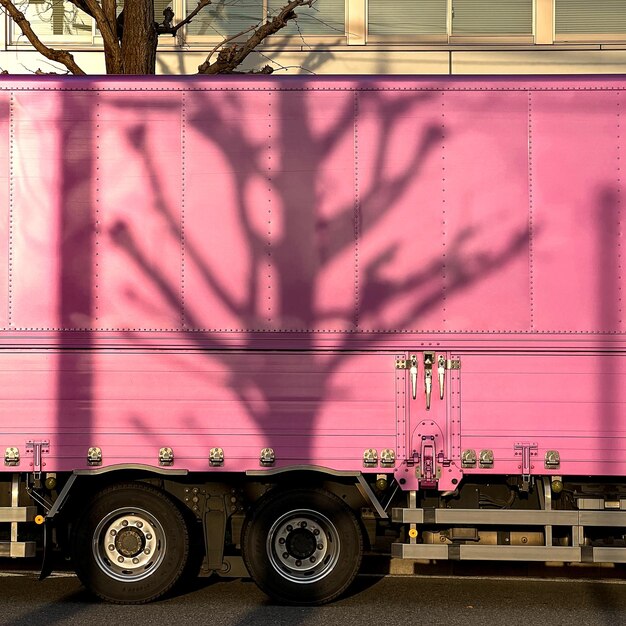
(263, 322)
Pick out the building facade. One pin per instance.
(361, 36)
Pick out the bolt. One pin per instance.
(125, 522)
(148, 536)
(111, 547)
(146, 551)
(139, 524)
(285, 555)
(289, 528)
(316, 531)
(312, 559)
(120, 559)
(298, 563)
(113, 533)
(281, 541)
(302, 524)
(320, 546)
(135, 560)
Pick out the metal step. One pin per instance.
(462, 552)
(509, 517)
(18, 513)
(17, 549)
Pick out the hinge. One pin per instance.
(453, 364)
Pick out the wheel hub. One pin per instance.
(129, 542)
(301, 543)
(303, 546)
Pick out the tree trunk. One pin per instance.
(140, 38)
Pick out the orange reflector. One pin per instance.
(412, 533)
(40, 519)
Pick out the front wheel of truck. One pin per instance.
(302, 546)
(131, 544)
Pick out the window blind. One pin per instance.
(225, 17)
(325, 17)
(407, 17)
(585, 17)
(492, 17)
(56, 17)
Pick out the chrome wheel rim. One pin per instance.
(129, 544)
(303, 546)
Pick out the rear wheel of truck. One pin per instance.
(131, 544)
(302, 546)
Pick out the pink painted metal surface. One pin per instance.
(241, 263)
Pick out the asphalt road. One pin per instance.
(389, 601)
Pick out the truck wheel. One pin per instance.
(131, 544)
(302, 546)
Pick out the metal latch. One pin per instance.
(370, 458)
(267, 457)
(411, 365)
(453, 364)
(216, 457)
(12, 456)
(552, 459)
(94, 456)
(468, 458)
(387, 458)
(429, 359)
(166, 456)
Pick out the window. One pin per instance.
(443, 20)
(408, 17)
(59, 21)
(581, 19)
(485, 17)
(229, 17)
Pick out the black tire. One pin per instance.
(131, 544)
(302, 546)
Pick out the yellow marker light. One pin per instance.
(412, 533)
(40, 519)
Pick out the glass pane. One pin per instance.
(225, 17)
(407, 17)
(584, 17)
(55, 18)
(325, 17)
(487, 17)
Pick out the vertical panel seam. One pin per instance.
(619, 214)
(97, 225)
(269, 209)
(357, 212)
(183, 190)
(531, 267)
(11, 204)
(444, 233)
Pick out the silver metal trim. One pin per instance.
(132, 466)
(18, 514)
(18, 549)
(507, 516)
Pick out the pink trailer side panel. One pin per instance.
(197, 264)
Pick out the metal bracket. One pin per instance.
(166, 456)
(38, 449)
(526, 451)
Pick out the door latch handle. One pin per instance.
(413, 374)
(441, 372)
(429, 357)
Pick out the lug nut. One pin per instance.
(312, 559)
(148, 536)
(125, 522)
(120, 559)
(139, 524)
(135, 560)
(281, 541)
(320, 546)
(298, 563)
(111, 547)
(302, 524)
(289, 528)
(146, 551)
(113, 533)
(285, 555)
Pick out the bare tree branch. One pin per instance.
(59, 56)
(108, 30)
(232, 56)
(201, 5)
(231, 38)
